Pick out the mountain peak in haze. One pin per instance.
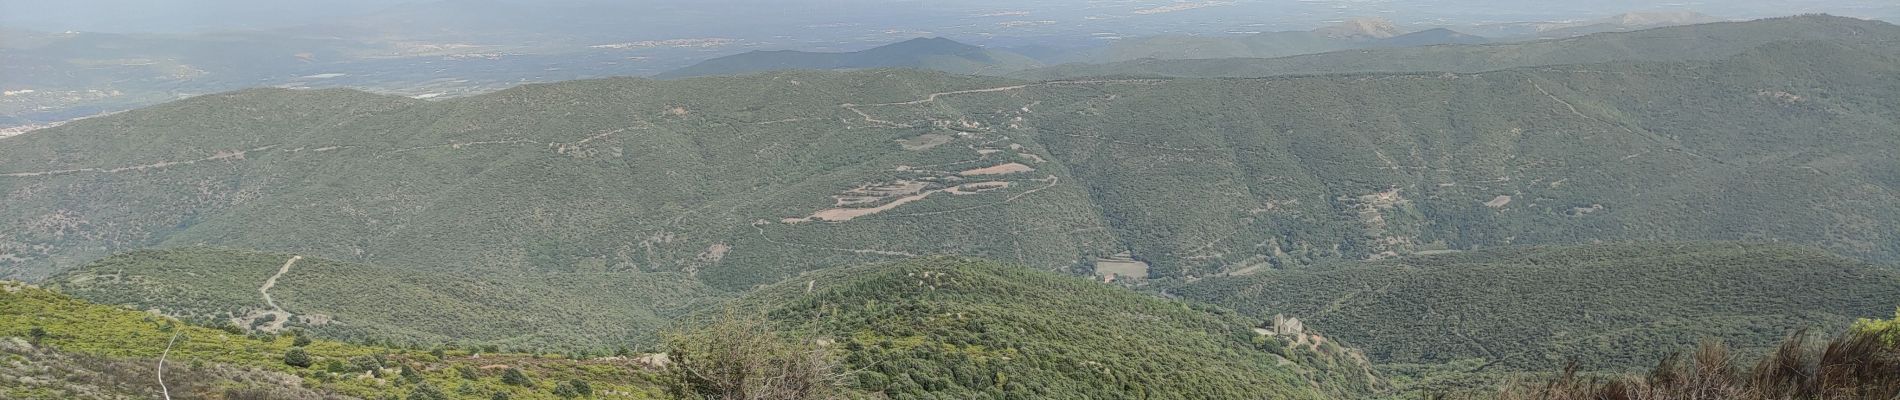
(1369, 28)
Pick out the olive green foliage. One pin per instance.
(965, 329)
(1606, 307)
(97, 351)
(1887, 329)
(514, 376)
(1678, 43)
(297, 357)
(573, 389)
(738, 358)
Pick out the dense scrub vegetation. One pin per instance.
(1467, 321)
(59, 347)
(1614, 307)
(951, 328)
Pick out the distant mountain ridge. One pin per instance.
(1675, 43)
(1350, 34)
(939, 54)
(1626, 22)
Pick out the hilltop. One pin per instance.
(937, 54)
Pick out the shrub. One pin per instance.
(296, 357)
(514, 376)
(739, 357)
(410, 375)
(426, 392)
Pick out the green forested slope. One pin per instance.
(962, 328)
(549, 311)
(1614, 307)
(737, 182)
(1678, 43)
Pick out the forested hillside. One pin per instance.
(736, 182)
(1678, 43)
(1607, 307)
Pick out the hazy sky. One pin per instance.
(203, 15)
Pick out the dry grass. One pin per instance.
(1856, 366)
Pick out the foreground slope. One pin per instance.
(334, 299)
(64, 348)
(974, 329)
(963, 328)
(1616, 307)
(738, 182)
(1676, 43)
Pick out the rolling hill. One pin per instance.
(741, 181)
(938, 54)
(973, 329)
(1676, 43)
